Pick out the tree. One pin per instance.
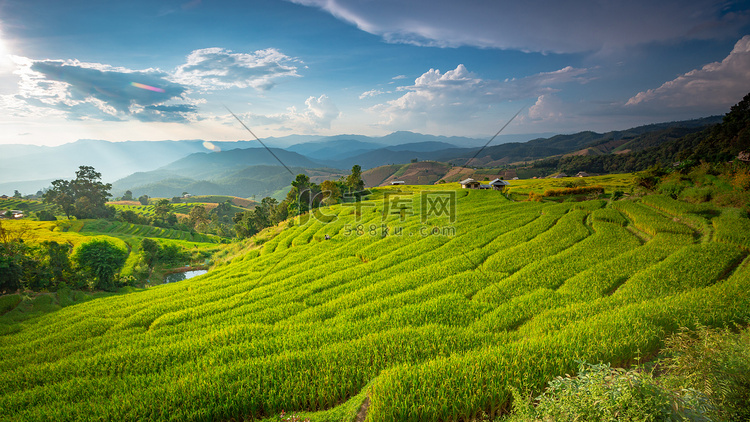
(128, 196)
(101, 259)
(61, 194)
(354, 181)
(331, 192)
(17, 194)
(83, 197)
(302, 196)
(47, 266)
(198, 217)
(90, 193)
(150, 249)
(45, 215)
(12, 258)
(162, 208)
(244, 224)
(143, 199)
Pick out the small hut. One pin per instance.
(582, 174)
(498, 184)
(470, 184)
(398, 182)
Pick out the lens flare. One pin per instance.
(209, 146)
(148, 87)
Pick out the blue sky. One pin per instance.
(155, 70)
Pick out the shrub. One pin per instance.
(716, 363)
(603, 393)
(696, 195)
(100, 259)
(574, 191)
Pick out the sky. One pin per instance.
(169, 70)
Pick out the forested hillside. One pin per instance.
(720, 142)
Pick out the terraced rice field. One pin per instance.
(428, 309)
(123, 228)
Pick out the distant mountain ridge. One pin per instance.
(149, 165)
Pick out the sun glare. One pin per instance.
(6, 63)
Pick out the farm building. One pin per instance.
(582, 174)
(498, 184)
(398, 182)
(3, 196)
(470, 184)
(559, 176)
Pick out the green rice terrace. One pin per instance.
(427, 303)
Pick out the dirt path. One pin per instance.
(362, 414)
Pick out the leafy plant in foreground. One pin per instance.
(602, 393)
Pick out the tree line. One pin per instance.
(722, 142)
(303, 197)
(49, 265)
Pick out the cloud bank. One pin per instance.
(216, 68)
(714, 86)
(319, 113)
(95, 91)
(101, 92)
(539, 25)
(459, 95)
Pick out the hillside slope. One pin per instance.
(431, 315)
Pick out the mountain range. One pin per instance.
(243, 168)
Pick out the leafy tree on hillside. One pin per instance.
(83, 197)
(198, 217)
(101, 260)
(61, 194)
(150, 249)
(45, 215)
(331, 192)
(17, 194)
(130, 216)
(143, 199)
(48, 266)
(302, 196)
(12, 258)
(354, 181)
(128, 196)
(250, 222)
(162, 208)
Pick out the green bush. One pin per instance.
(696, 195)
(715, 362)
(602, 393)
(100, 259)
(672, 188)
(8, 302)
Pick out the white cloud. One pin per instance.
(399, 77)
(458, 95)
(95, 91)
(318, 113)
(217, 68)
(371, 93)
(715, 86)
(540, 25)
(547, 107)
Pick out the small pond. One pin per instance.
(174, 277)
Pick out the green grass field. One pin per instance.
(24, 205)
(428, 302)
